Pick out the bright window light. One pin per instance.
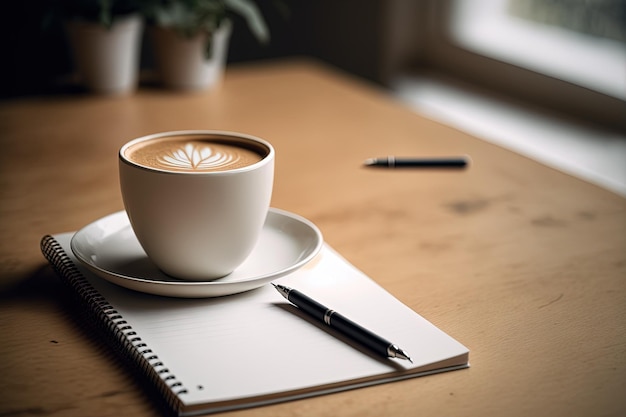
(497, 29)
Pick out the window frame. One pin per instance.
(440, 52)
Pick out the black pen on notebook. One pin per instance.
(400, 162)
(342, 324)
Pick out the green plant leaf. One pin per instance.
(253, 17)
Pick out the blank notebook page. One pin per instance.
(256, 344)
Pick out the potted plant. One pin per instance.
(105, 37)
(190, 38)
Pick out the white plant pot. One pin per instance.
(181, 61)
(107, 60)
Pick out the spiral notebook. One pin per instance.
(252, 349)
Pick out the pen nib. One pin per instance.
(284, 291)
(395, 352)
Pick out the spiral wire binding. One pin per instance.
(126, 340)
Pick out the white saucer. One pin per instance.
(109, 248)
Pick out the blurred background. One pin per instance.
(544, 78)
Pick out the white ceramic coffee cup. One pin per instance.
(197, 225)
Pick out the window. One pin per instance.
(567, 55)
(577, 41)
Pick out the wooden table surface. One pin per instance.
(523, 264)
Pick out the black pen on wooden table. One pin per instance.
(342, 324)
(456, 162)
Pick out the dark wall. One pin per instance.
(354, 35)
(369, 38)
(34, 50)
(36, 56)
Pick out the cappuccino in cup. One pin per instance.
(197, 200)
(195, 153)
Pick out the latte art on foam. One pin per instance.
(195, 153)
(193, 156)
